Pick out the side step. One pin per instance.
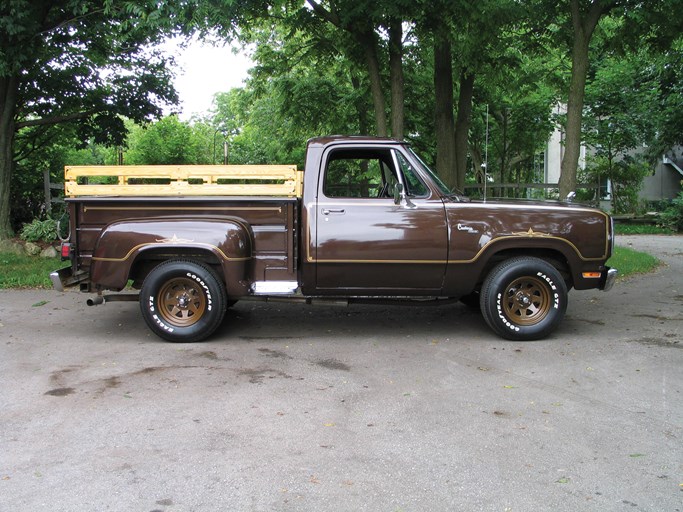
(274, 287)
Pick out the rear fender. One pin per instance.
(121, 244)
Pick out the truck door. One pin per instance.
(368, 242)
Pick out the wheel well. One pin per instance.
(555, 258)
(149, 259)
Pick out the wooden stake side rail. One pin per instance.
(250, 180)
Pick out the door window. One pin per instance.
(414, 185)
(360, 173)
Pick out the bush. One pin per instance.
(672, 217)
(39, 230)
(626, 175)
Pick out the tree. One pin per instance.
(639, 21)
(359, 19)
(468, 39)
(301, 86)
(84, 62)
(585, 16)
(624, 115)
(170, 141)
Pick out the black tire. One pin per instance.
(524, 299)
(183, 301)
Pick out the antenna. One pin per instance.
(486, 153)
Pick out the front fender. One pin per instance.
(121, 243)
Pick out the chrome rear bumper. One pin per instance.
(64, 278)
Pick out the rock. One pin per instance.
(11, 246)
(32, 249)
(48, 252)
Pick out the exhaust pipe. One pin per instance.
(95, 301)
(114, 297)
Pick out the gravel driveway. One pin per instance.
(363, 408)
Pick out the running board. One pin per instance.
(274, 287)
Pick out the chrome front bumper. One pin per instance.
(610, 278)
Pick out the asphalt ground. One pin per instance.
(362, 408)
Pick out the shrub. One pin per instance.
(672, 217)
(39, 230)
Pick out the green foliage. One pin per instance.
(168, 141)
(626, 176)
(672, 217)
(22, 271)
(302, 86)
(83, 63)
(39, 231)
(640, 229)
(520, 120)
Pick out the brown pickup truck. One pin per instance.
(366, 221)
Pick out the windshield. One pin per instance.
(425, 168)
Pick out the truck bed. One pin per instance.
(272, 220)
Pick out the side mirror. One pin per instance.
(399, 193)
(401, 198)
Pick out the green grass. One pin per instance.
(640, 229)
(630, 262)
(23, 271)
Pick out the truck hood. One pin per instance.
(516, 203)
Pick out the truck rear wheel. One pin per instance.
(183, 301)
(524, 299)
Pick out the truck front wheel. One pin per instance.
(183, 301)
(524, 299)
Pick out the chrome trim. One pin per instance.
(60, 277)
(610, 279)
(65, 278)
(274, 287)
(56, 281)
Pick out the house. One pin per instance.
(664, 184)
(666, 181)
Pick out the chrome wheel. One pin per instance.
(182, 302)
(523, 298)
(527, 301)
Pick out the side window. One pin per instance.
(359, 174)
(414, 185)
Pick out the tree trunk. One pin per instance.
(577, 88)
(584, 26)
(368, 40)
(444, 123)
(396, 75)
(8, 100)
(504, 152)
(361, 106)
(366, 37)
(462, 127)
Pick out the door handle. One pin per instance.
(333, 211)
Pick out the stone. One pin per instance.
(11, 246)
(32, 249)
(48, 252)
